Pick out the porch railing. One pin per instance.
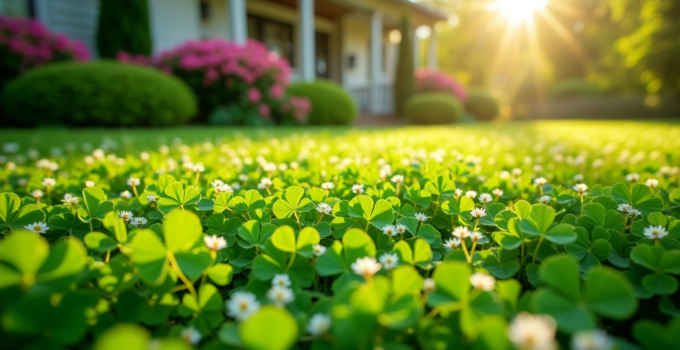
(381, 103)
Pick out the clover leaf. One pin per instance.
(14, 216)
(639, 196)
(177, 195)
(377, 213)
(662, 264)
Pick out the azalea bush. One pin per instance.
(234, 83)
(428, 80)
(542, 236)
(26, 44)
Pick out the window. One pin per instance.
(276, 36)
(16, 8)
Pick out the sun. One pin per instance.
(517, 10)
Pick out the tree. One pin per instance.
(404, 82)
(123, 26)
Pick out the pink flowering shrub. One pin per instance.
(26, 44)
(240, 83)
(433, 81)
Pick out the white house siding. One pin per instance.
(75, 18)
(173, 22)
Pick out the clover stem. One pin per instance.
(134, 190)
(521, 259)
(180, 274)
(474, 245)
(625, 222)
(268, 191)
(320, 218)
(108, 255)
(91, 229)
(198, 174)
(433, 312)
(476, 223)
(467, 256)
(540, 190)
(37, 201)
(290, 263)
(49, 198)
(398, 188)
(540, 240)
(297, 219)
(581, 204)
(656, 242)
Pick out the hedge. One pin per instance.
(331, 104)
(97, 94)
(433, 108)
(482, 105)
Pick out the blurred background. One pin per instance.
(335, 62)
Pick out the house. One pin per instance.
(352, 42)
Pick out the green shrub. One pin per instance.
(123, 25)
(97, 94)
(482, 105)
(433, 108)
(573, 88)
(331, 104)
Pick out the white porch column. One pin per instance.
(376, 64)
(238, 20)
(432, 53)
(416, 51)
(307, 51)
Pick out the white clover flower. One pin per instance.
(655, 232)
(390, 230)
(22, 181)
(224, 189)
(215, 242)
(319, 324)
(428, 285)
(401, 229)
(504, 175)
(98, 153)
(243, 177)
(266, 182)
(151, 198)
(37, 227)
(327, 186)
(485, 198)
(261, 186)
(319, 249)
(581, 189)
(125, 194)
(280, 295)
(517, 172)
(533, 332)
(49, 182)
(540, 181)
(389, 261)
(635, 213)
(89, 184)
(482, 281)
(242, 305)
(281, 279)
(461, 232)
(478, 213)
(144, 156)
(199, 167)
(422, 217)
(537, 168)
(579, 178)
(398, 179)
(324, 208)
(133, 181)
(88, 160)
(625, 208)
(652, 183)
(231, 188)
(191, 335)
(476, 236)
(545, 199)
(497, 192)
(457, 193)
(70, 200)
(217, 184)
(452, 243)
(11, 166)
(126, 216)
(633, 177)
(139, 221)
(358, 188)
(366, 266)
(37, 194)
(592, 340)
(471, 194)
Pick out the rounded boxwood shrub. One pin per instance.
(573, 88)
(97, 94)
(482, 105)
(433, 108)
(331, 104)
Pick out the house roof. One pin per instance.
(422, 9)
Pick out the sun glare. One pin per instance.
(517, 10)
